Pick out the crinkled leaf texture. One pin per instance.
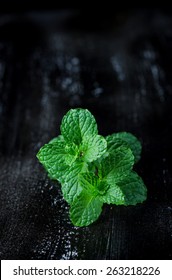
(79, 143)
(125, 138)
(71, 186)
(93, 147)
(116, 164)
(56, 157)
(114, 195)
(85, 209)
(133, 188)
(100, 188)
(78, 124)
(92, 169)
(127, 190)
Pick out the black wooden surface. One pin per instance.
(119, 66)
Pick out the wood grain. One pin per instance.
(122, 73)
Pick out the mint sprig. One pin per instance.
(92, 169)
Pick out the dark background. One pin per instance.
(118, 64)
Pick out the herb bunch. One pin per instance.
(92, 169)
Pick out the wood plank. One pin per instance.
(123, 76)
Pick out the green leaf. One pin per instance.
(93, 147)
(92, 170)
(128, 190)
(57, 157)
(89, 183)
(92, 184)
(117, 164)
(71, 187)
(78, 124)
(133, 189)
(85, 209)
(128, 139)
(113, 195)
(56, 139)
(113, 143)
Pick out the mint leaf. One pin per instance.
(89, 182)
(100, 188)
(114, 195)
(128, 190)
(56, 139)
(126, 139)
(85, 209)
(71, 187)
(133, 189)
(78, 124)
(113, 143)
(93, 147)
(56, 157)
(116, 165)
(92, 184)
(79, 128)
(92, 169)
(64, 160)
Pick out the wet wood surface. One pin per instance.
(120, 68)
